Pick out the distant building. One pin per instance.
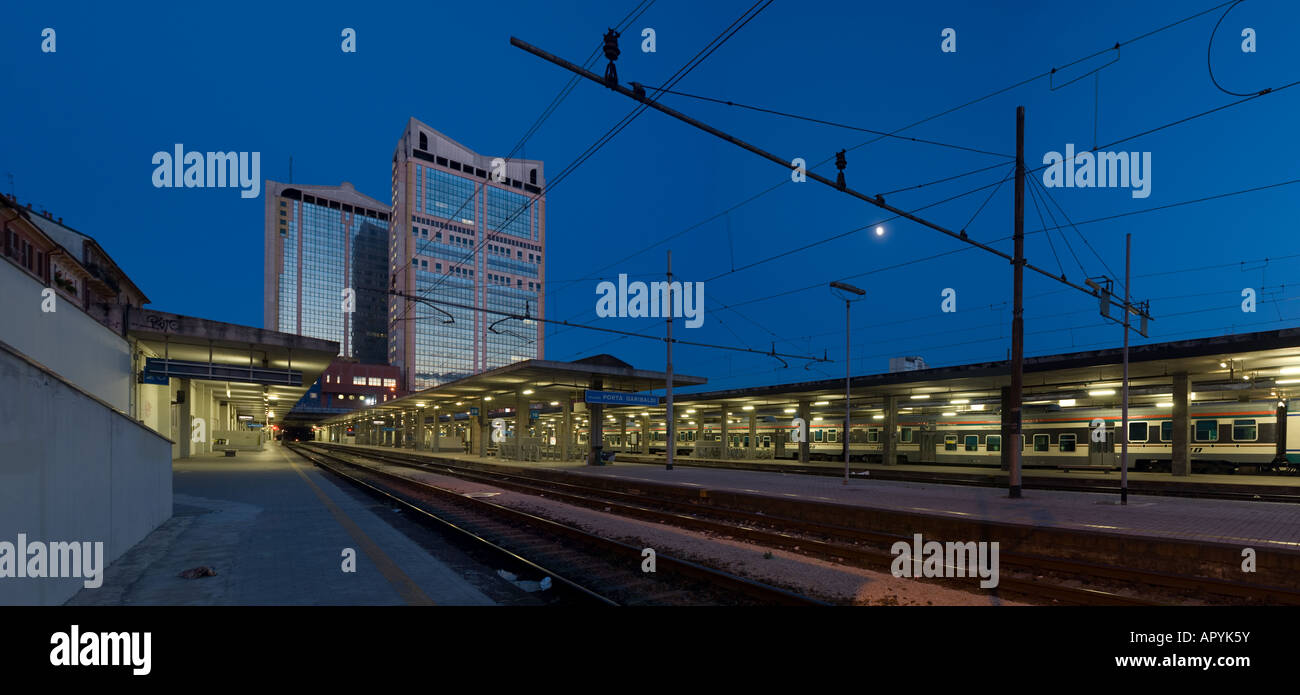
(906, 364)
(346, 386)
(461, 246)
(322, 241)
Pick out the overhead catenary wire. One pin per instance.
(835, 124)
(631, 334)
(922, 121)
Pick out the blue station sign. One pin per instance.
(619, 398)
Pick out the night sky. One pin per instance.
(82, 124)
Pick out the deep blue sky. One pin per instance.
(81, 125)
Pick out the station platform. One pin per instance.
(274, 528)
(1240, 523)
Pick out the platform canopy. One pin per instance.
(1251, 366)
(538, 381)
(257, 367)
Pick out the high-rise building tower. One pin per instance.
(321, 241)
(468, 238)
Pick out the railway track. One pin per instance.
(583, 568)
(864, 548)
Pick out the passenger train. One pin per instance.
(1223, 437)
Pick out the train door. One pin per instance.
(928, 442)
(1101, 454)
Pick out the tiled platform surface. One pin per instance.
(274, 528)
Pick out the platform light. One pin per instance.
(822, 403)
(555, 402)
(920, 396)
(273, 397)
(1281, 404)
(460, 403)
(1066, 402)
(1164, 404)
(692, 423)
(817, 419)
(487, 398)
(645, 414)
(1223, 365)
(1245, 377)
(528, 392)
(747, 407)
(949, 414)
(977, 406)
(1102, 392)
(1287, 381)
(1290, 370)
(959, 401)
(690, 411)
(877, 417)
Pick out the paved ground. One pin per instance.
(275, 528)
(1261, 524)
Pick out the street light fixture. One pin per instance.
(850, 295)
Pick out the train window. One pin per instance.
(830, 435)
(1167, 431)
(767, 440)
(1244, 431)
(873, 435)
(1207, 430)
(972, 442)
(993, 442)
(950, 442)
(1137, 432)
(1042, 442)
(1065, 442)
(906, 437)
(817, 435)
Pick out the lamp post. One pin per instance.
(849, 293)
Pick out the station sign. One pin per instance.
(473, 411)
(147, 377)
(619, 398)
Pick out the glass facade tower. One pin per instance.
(465, 259)
(321, 241)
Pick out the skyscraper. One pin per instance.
(321, 241)
(461, 246)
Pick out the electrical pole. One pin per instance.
(1011, 412)
(669, 431)
(1123, 457)
(849, 292)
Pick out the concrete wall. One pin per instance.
(67, 341)
(73, 469)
